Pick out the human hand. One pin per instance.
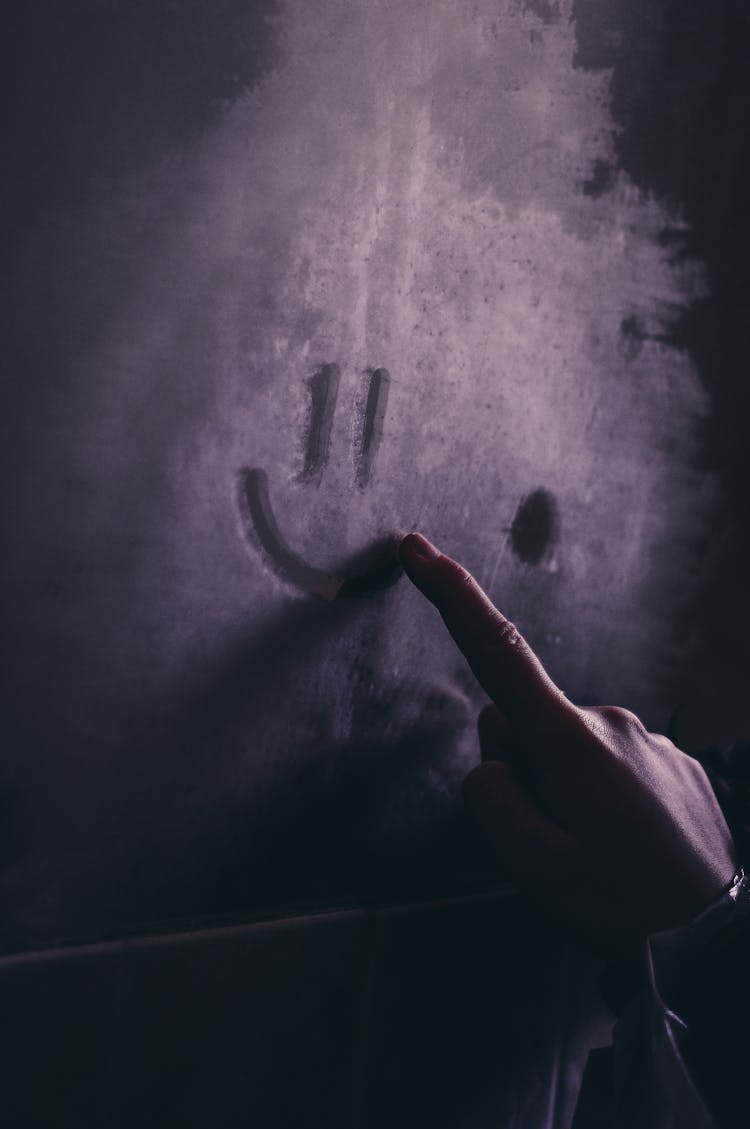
(611, 825)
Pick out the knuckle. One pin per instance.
(623, 719)
(613, 730)
(664, 744)
(508, 633)
(461, 576)
(501, 635)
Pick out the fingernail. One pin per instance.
(417, 547)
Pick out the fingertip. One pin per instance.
(416, 552)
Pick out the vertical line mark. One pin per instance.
(372, 428)
(324, 388)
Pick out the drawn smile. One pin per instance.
(367, 572)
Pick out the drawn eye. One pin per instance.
(324, 390)
(372, 424)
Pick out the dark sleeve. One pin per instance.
(681, 1045)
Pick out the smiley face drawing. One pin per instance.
(369, 572)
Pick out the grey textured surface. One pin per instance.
(213, 204)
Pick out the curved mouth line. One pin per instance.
(367, 573)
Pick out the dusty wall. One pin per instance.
(248, 222)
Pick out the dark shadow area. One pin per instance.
(681, 101)
(99, 88)
(106, 88)
(371, 820)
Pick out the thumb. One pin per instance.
(528, 845)
(496, 736)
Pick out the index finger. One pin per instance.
(503, 662)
